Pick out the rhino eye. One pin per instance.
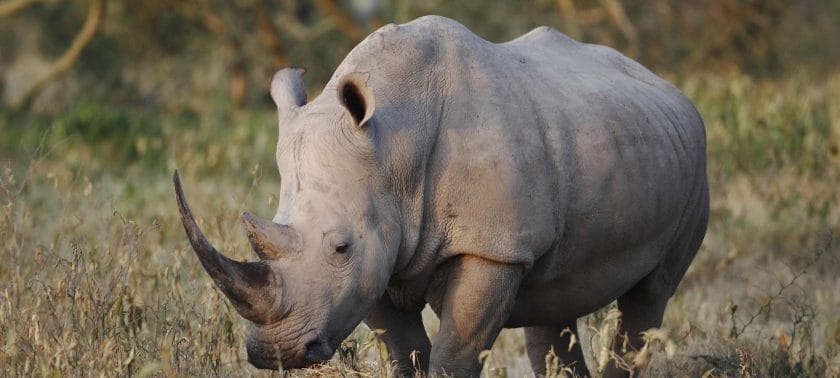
(341, 248)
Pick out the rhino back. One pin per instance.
(631, 147)
(539, 149)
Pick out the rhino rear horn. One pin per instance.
(271, 240)
(248, 285)
(288, 90)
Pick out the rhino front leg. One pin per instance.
(478, 298)
(406, 339)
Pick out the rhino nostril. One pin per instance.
(317, 350)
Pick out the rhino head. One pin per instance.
(327, 255)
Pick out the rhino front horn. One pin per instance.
(248, 285)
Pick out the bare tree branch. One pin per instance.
(619, 17)
(567, 11)
(70, 55)
(10, 7)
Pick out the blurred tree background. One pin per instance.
(190, 56)
(100, 100)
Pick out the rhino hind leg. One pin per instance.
(540, 340)
(643, 306)
(641, 309)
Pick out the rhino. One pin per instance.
(518, 184)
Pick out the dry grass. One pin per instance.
(96, 277)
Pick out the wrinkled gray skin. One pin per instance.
(522, 184)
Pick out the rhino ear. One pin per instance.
(355, 95)
(287, 89)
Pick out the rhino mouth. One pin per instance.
(266, 353)
(261, 362)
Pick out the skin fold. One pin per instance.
(521, 184)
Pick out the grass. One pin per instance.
(96, 276)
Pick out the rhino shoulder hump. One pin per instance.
(545, 34)
(400, 51)
(426, 27)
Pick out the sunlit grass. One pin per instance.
(96, 275)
